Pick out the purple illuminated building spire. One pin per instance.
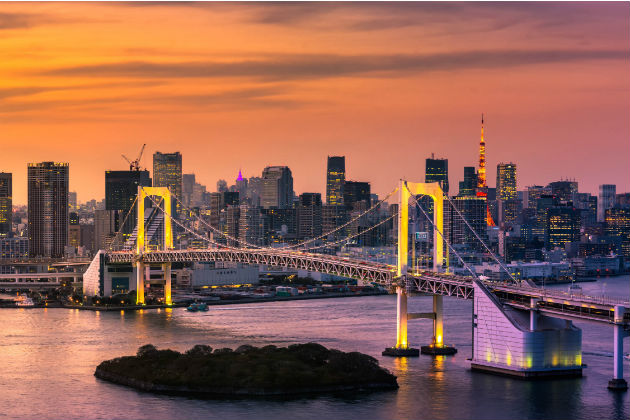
(240, 176)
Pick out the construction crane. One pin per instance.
(134, 165)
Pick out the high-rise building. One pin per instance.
(587, 204)
(562, 225)
(222, 185)
(335, 179)
(72, 201)
(6, 204)
(250, 226)
(534, 192)
(436, 170)
(121, 189)
(241, 184)
(106, 225)
(188, 188)
(356, 193)
(48, 209)
(309, 213)
(506, 181)
(606, 200)
(469, 184)
(277, 188)
(563, 190)
(618, 224)
(473, 210)
(254, 190)
(167, 172)
(332, 218)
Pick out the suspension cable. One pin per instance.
(330, 244)
(173, 220)
(214, 229)
(474, 274)
(122, 225)
(480, 240)
(345, 224)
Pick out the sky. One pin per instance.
(246, 85)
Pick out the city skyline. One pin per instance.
(385, 86)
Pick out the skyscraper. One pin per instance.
(562, 226)
(6, 203)
(167, 172)
(436, 170)
(309, 213)
(121, 188)
(618, 224)
(469, 184)
(563, 190)
(506, 181)
(356, 192)
(335, 179)
(606, 200)
(47, 209)
(277, 187)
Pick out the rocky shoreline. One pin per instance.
(247, 371)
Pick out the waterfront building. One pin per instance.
(335, 180)
(15, 247)
(277, 187)
(6, 204)
(436, 170)
(606, 200)
(48, 209)
(167, 172)
(309, 214)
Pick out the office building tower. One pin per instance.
(356, 193)
(506, 181)
(332, 218)
(241, 184)
(121, 189)
(72, 201)
(231, 228)
(231, 198)
(280, 225)
(436, 170)
(468, 186)
(277, 187)
(563, 190)
(309, 213)
(251, 227)
(216, 205)
(106, 225)
(534, 192)
(473, 210)
(562, 225)
(167, 172)
(335, 180)
(48, 209)
(254, 190)
(188, 188)
(6, 204)
(617, 224)
(606, 200)
(222, 185)
(587, 204)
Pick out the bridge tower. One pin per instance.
(165, 194)
(437, 346)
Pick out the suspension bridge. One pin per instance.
(518, 329)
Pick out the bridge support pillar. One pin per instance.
(402, 348)
(618, 383)
(140, 269)
(437, 347)
(533, 314)
(166, 268)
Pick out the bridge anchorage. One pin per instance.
(518, 329)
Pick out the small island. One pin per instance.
(247, 371)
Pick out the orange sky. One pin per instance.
(248, 85)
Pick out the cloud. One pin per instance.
(304, 66)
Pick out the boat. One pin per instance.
(24, 301)
(195, 307)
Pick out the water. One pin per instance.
(48, 356)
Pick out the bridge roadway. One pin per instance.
(552, 302)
